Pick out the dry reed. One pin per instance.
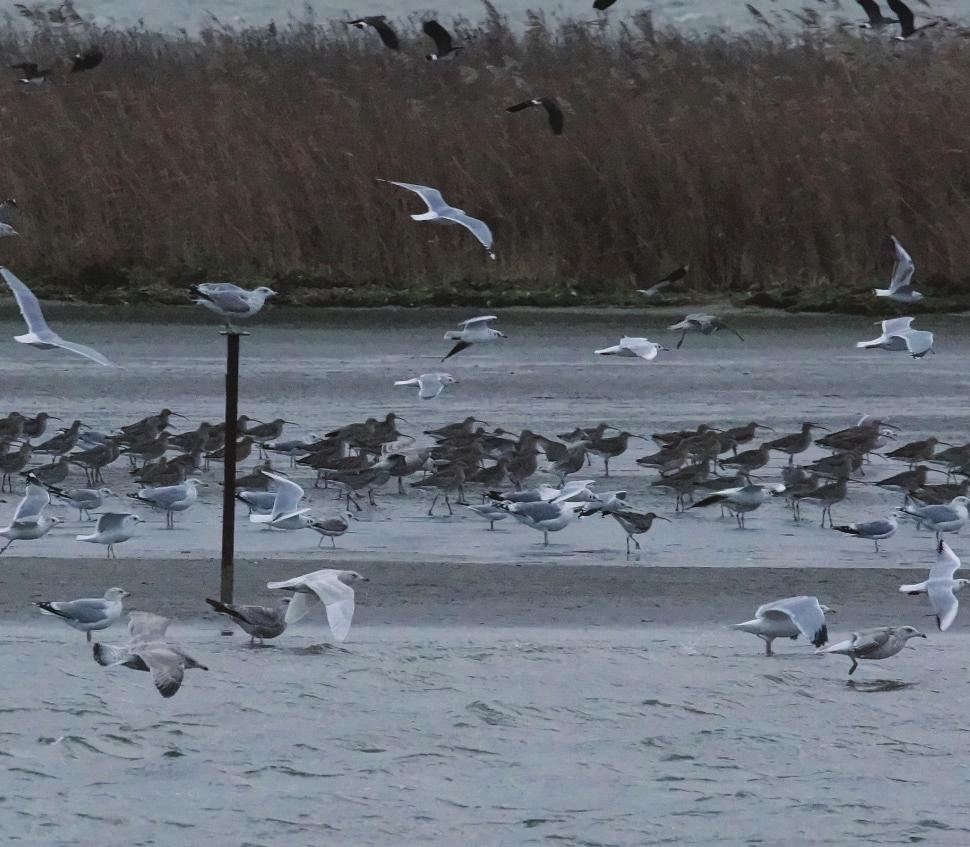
(765, 161)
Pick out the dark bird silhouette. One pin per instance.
(907, 20)
(378, 22)
(32, 72)
(874, 14)
(602, 5)
(86, 60)
(444, 45)
(551, 107)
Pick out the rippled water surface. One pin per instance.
(483, 736)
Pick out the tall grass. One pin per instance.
(255, 155)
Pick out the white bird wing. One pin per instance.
(431, 196)
(325, 585)
(476, 227)
(944, 602)
(904, 268)
(29, 306)
(166, 665)
(615, 350)
(895, 325)
(145, 626)
(32, 505)
(804, 612)
(919, 342)
(640, 347)
(84, 350)
(946, 564)
(412, 381)
(110, 521)
(232, 301)
(478, 320)
(430, 386)
(870, 639)
(288, 495)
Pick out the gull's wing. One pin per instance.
(232, 301)
(83, 350)
(111, 654)
(804, 612)
(904, 268)
(640, 347)
(166, 495)
(303, 600)
(476, 227)
(412, 381)
(430, 386)
(944, 603)
(895, 325)
(210, 289)
(36, 499)
(869, 640)
(29, 306)
(288, 495)
(919, 342)
(166, 666)
(461, 345)
(144, 626)
(431, 196)
(337, 597)
(112, 520)
(876, 527)
(934, 514)
(80, 611)
(478, 320)
(946, 564)
(615, 350)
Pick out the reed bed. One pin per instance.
(768, 162)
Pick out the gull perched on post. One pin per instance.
(633, 348)
(941, 587)
(898, 334)
(473, 331)
(429, 385)
(230, 301)
(900, 289)
(440, 212)
(39, 334)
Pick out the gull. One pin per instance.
(704, 324)
(29, 521)
(473, 331)
(39, 334)
(941, 587)
(740, 500)
(378, 22)
(789, 618)
(907, 20)
(171, 498)
(286, 512)
(900, 290)
(879, 643)
(82, 499)
(946, 518)
(87, 60)
(542, 516)
(429, 385)
(898, 334)
(88, 613)
(113, 528)
(490, 512)
(553, 111)
(332, 527)
(147, 650)
(256, 621)
(230, 301)
(331, 587)
(674, 276)
(440, 212)
(444, 45)
(876, 531)
(633, 348)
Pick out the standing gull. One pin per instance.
(440, 212)
(113, 528)
(39, 334)
(789, 618)
(82, 499)
(230, 301)
(543, 517)
(331, 587)
(171, 498)
(941, 587)
(633, 348)
(148, 650)
(876, 531)
(948, 518)
(256, 621)
(898, 334)
(879, 643)
(332, 527)
(89, 613)
(900, 289)
(473, 331)
(553, 111)
(429, 385)
(741, 500)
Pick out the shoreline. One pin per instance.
(461, 595)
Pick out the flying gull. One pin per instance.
(704, 324)
(473, 331)
(429, 385)
(444, 45)
(675, 276)
(898, 334)
(941, 587)
(900, 284)
(29, 521)
(330, 587)
(633, 348)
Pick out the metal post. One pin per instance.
(229, 466)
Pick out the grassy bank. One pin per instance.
(777, 167)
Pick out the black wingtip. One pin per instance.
(821, 637)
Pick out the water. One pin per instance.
(684, 14)
(484, 736)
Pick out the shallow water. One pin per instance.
(484, 736)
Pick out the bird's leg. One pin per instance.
(5, 546)
(606, 465)
(791, 458)
(333, 542)
(877, 544)
(491, 526)
(448, 504)
(628, 546)
(431, 510)
(370, 496)
(320, 542)
(855, 664)
(823, 517)
(767, 642)
(400, 486)
(88, 633)
(545, 538)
